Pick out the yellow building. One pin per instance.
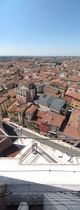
(4, 104)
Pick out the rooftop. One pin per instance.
(73, 127)
(12, 92)
(23, 87)
(31, 109)
(50, 101)
(18, 107)
(57, 104)
(72, 93)
(2, 99)
(50, 118)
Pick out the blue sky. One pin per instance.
(40, 27)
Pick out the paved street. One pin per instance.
(16, 131)
(12, 130)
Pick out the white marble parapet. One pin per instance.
(23, 206)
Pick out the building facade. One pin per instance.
(25, 94)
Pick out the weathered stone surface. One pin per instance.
(2, 196)
(3, 187)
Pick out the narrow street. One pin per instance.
(12, 130)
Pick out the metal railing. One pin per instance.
(21, 136)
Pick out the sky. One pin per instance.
(40, 27)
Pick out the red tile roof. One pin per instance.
(50, 118)
(68, 99)
(2, 99)
(74, 78)
(72, 93)
(73, 127)
(33, 108)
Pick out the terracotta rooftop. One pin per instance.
(12, 92)
(68, 99)
(75, 104)
(13, 108)
(50, 118)
(2, 99)
(72, 93)
(73, 127)
(31, 109)
(74, 78)
(16, 108)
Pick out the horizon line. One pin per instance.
(39, 55)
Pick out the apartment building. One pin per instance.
(25, 94)
(30, 112)
(4, 104)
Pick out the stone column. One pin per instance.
(2, 196)
(23, 206)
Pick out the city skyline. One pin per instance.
(39, 28)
